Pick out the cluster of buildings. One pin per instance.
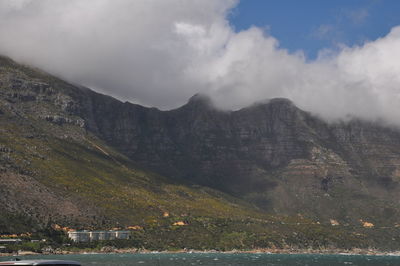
(86, 236)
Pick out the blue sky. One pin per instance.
(311, 25)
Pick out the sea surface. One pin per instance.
(164, 259)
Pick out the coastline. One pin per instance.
(352, 252)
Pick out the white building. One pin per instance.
(86, 236)
(79, 236)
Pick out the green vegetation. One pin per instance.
(223, 234)
(127, 194)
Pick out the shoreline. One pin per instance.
(353, 252)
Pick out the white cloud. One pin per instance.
(159, 53)
(12, 6)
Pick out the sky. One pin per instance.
(336, 59)
(314, 25)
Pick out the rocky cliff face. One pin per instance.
(197, 142)
(54, 169)
(271, 153)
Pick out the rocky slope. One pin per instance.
(53, 170)
(272, 154)
(72, 156)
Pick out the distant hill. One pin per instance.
(266, 175)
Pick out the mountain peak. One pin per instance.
(200, 97)
(280, 101)
(276, 103)
(200, 101)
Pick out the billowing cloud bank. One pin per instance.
(161, 52)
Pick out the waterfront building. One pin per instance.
(10, 241)
(86, 236)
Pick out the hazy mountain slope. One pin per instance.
(53, 169)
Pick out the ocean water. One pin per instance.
(163, 259)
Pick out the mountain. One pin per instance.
(53, 169)
(272, 154)
(266, 175)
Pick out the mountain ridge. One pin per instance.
(121, 163)
(252, 144)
